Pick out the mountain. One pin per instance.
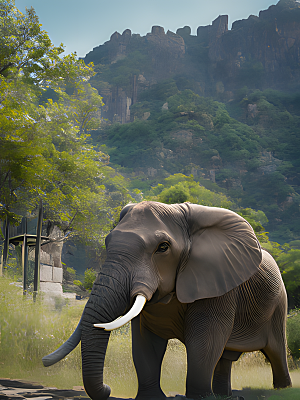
(222, 105)
(259, 52)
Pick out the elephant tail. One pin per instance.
(64, 349)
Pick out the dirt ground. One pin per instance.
(20, 390)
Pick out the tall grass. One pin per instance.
(119, 372)
(250, 371)
(29, 331)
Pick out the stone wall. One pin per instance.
(51, 271)
(50, 277)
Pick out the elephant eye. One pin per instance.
(162, 247)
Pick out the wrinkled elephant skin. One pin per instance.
(206, 282)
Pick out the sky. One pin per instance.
(83, 24)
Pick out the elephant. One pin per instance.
(190, 272)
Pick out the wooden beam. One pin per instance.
(24, 263)
(24, 255)
(36, 278)
(6, 244)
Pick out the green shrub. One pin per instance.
(14, 271)
(174, 194)
(71, 271)
(77, 283)
(69, 274)
(89, 278)
(179, 188)
(255, 218)
(293, 334)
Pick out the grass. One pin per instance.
(29, 331)
(119, 372)
(250, 374)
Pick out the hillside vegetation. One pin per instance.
(252, 156)
(183, 121)
(213, 105)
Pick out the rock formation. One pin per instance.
(268, 45)
(163, 53)
(210, 33)
(258, 52)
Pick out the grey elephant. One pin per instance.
(189, 272)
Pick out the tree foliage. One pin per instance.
(179, 188)
(256, 218)
(253, 155)
(24, 46)
(89, 278)
(47, 106)
(289, 264)
(293, 337)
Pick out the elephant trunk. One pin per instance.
(64, 349)
(109, 299)
(93, 349)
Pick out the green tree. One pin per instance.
(256, 218)
(89, 278)
(25, 47)
(47, 107)
(21, 145)
(86, 103)
(178, 188)
(174, 194)
(46, 157)
(289, 264)
(293, 336)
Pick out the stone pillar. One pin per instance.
(50, 277)
(51, 271)
(55, 248)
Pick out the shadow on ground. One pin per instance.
(20, 390)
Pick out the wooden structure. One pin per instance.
(26, 240)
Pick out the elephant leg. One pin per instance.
(148, 352)
(222, 373)
(275, 351)
(277, 358)
(208, 324)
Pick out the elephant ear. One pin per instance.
(224, 253)
(125, 210)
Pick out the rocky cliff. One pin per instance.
(163, 48)
(267, 48)
(259, 52)
(160, 55)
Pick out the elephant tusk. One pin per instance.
(133, 312)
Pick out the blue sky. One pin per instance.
(84, 24)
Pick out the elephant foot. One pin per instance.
(283, 382)
(150, 397)
(157, 394)
(209, 397)
(212, 397)
(196, 396)
(96, 393)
